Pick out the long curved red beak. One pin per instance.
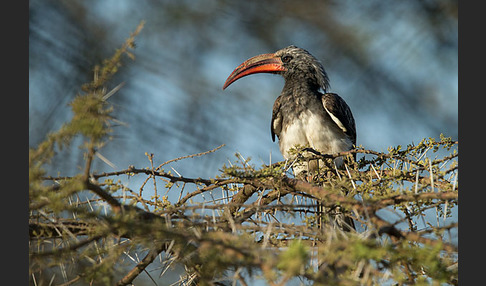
(266, 63)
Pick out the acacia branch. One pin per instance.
(190, 156)
(68, 249)
(385, 227)
(146, 261)
(209, 187)
(114, 203)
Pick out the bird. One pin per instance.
(305, 114)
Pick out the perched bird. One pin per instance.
(304, 114)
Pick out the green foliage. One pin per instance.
(91, 116)
(247, 223)
(294, 259)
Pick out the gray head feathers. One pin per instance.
(302, 66)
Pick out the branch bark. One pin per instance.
(140, 267)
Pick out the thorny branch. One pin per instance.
(270, 184)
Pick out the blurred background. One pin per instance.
(394, 62)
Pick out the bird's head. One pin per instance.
(293, 63)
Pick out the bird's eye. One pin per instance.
(286, 59)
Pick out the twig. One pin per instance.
(190, 156)
(72, 247)
(114, 203)
(140, 267)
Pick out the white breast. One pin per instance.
(321, 134)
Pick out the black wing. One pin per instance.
(276, 123)
(340, 113)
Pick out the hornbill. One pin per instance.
(305, 113)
